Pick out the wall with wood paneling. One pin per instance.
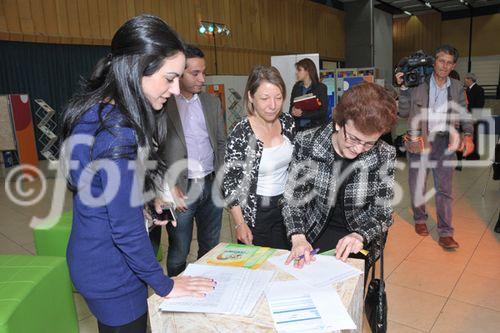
(260, 28)
(414, 33)
(428, 32)
(485, 35)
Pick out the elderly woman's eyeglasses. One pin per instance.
(354, 141)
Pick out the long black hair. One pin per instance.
(138, 49)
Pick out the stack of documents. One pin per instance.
(297, 307)
(322, 272)
(237, 291)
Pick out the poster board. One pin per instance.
(20, 110)
(7, 135)
(233, 91)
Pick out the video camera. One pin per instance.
(416, 68)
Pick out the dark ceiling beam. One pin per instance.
(431, 7)
(477, 11)
(388, 8)
(331, 3)
(466, 4)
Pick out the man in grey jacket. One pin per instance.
(435, 109)
(194, 152)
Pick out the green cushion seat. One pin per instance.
(53, 241)
(36, 295)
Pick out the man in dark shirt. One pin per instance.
(475, 98)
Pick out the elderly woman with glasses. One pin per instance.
(340, 186)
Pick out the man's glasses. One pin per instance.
(354, 141)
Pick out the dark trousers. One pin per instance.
(269, 229)
(155, 238)
(137, 326)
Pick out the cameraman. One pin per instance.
(432, 139)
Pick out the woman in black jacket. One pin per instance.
(308, 83)
(258, 154)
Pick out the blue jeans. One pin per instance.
(443, 176)
(208, 222)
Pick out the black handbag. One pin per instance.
(376, 300)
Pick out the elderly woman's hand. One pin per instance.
(300, 247)
(352, 243)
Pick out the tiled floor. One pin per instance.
(428, 289)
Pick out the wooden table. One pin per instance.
(350, 292)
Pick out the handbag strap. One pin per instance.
(381, 263)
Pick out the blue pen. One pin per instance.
(313, 252)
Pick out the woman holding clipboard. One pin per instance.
(308, 83)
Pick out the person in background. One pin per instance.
(195, 143)
(435, 110)
(308, 83)
(110, 258)
(475, 96)
(340, 188)
(258, 154)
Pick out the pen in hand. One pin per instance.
(312, 253)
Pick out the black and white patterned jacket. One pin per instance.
(313, 182)
(241, 165)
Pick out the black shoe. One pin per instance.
(497, 226)
(458, 168)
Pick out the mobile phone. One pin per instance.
(166, 215)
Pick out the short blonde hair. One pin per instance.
(258, 75)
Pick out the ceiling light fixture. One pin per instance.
(213, 29)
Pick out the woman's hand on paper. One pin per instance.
(352, 243)
(191, 286)
(244, 234)
(300, 247)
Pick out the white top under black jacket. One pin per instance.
(241, 165)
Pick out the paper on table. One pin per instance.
(297, 307)
(237, 291)
(332, 310)
(292, 308)
(322, 272)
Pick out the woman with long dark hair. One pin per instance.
(110, 130)
(308, 83)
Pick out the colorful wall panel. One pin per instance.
(7, 136)
(24, 129)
